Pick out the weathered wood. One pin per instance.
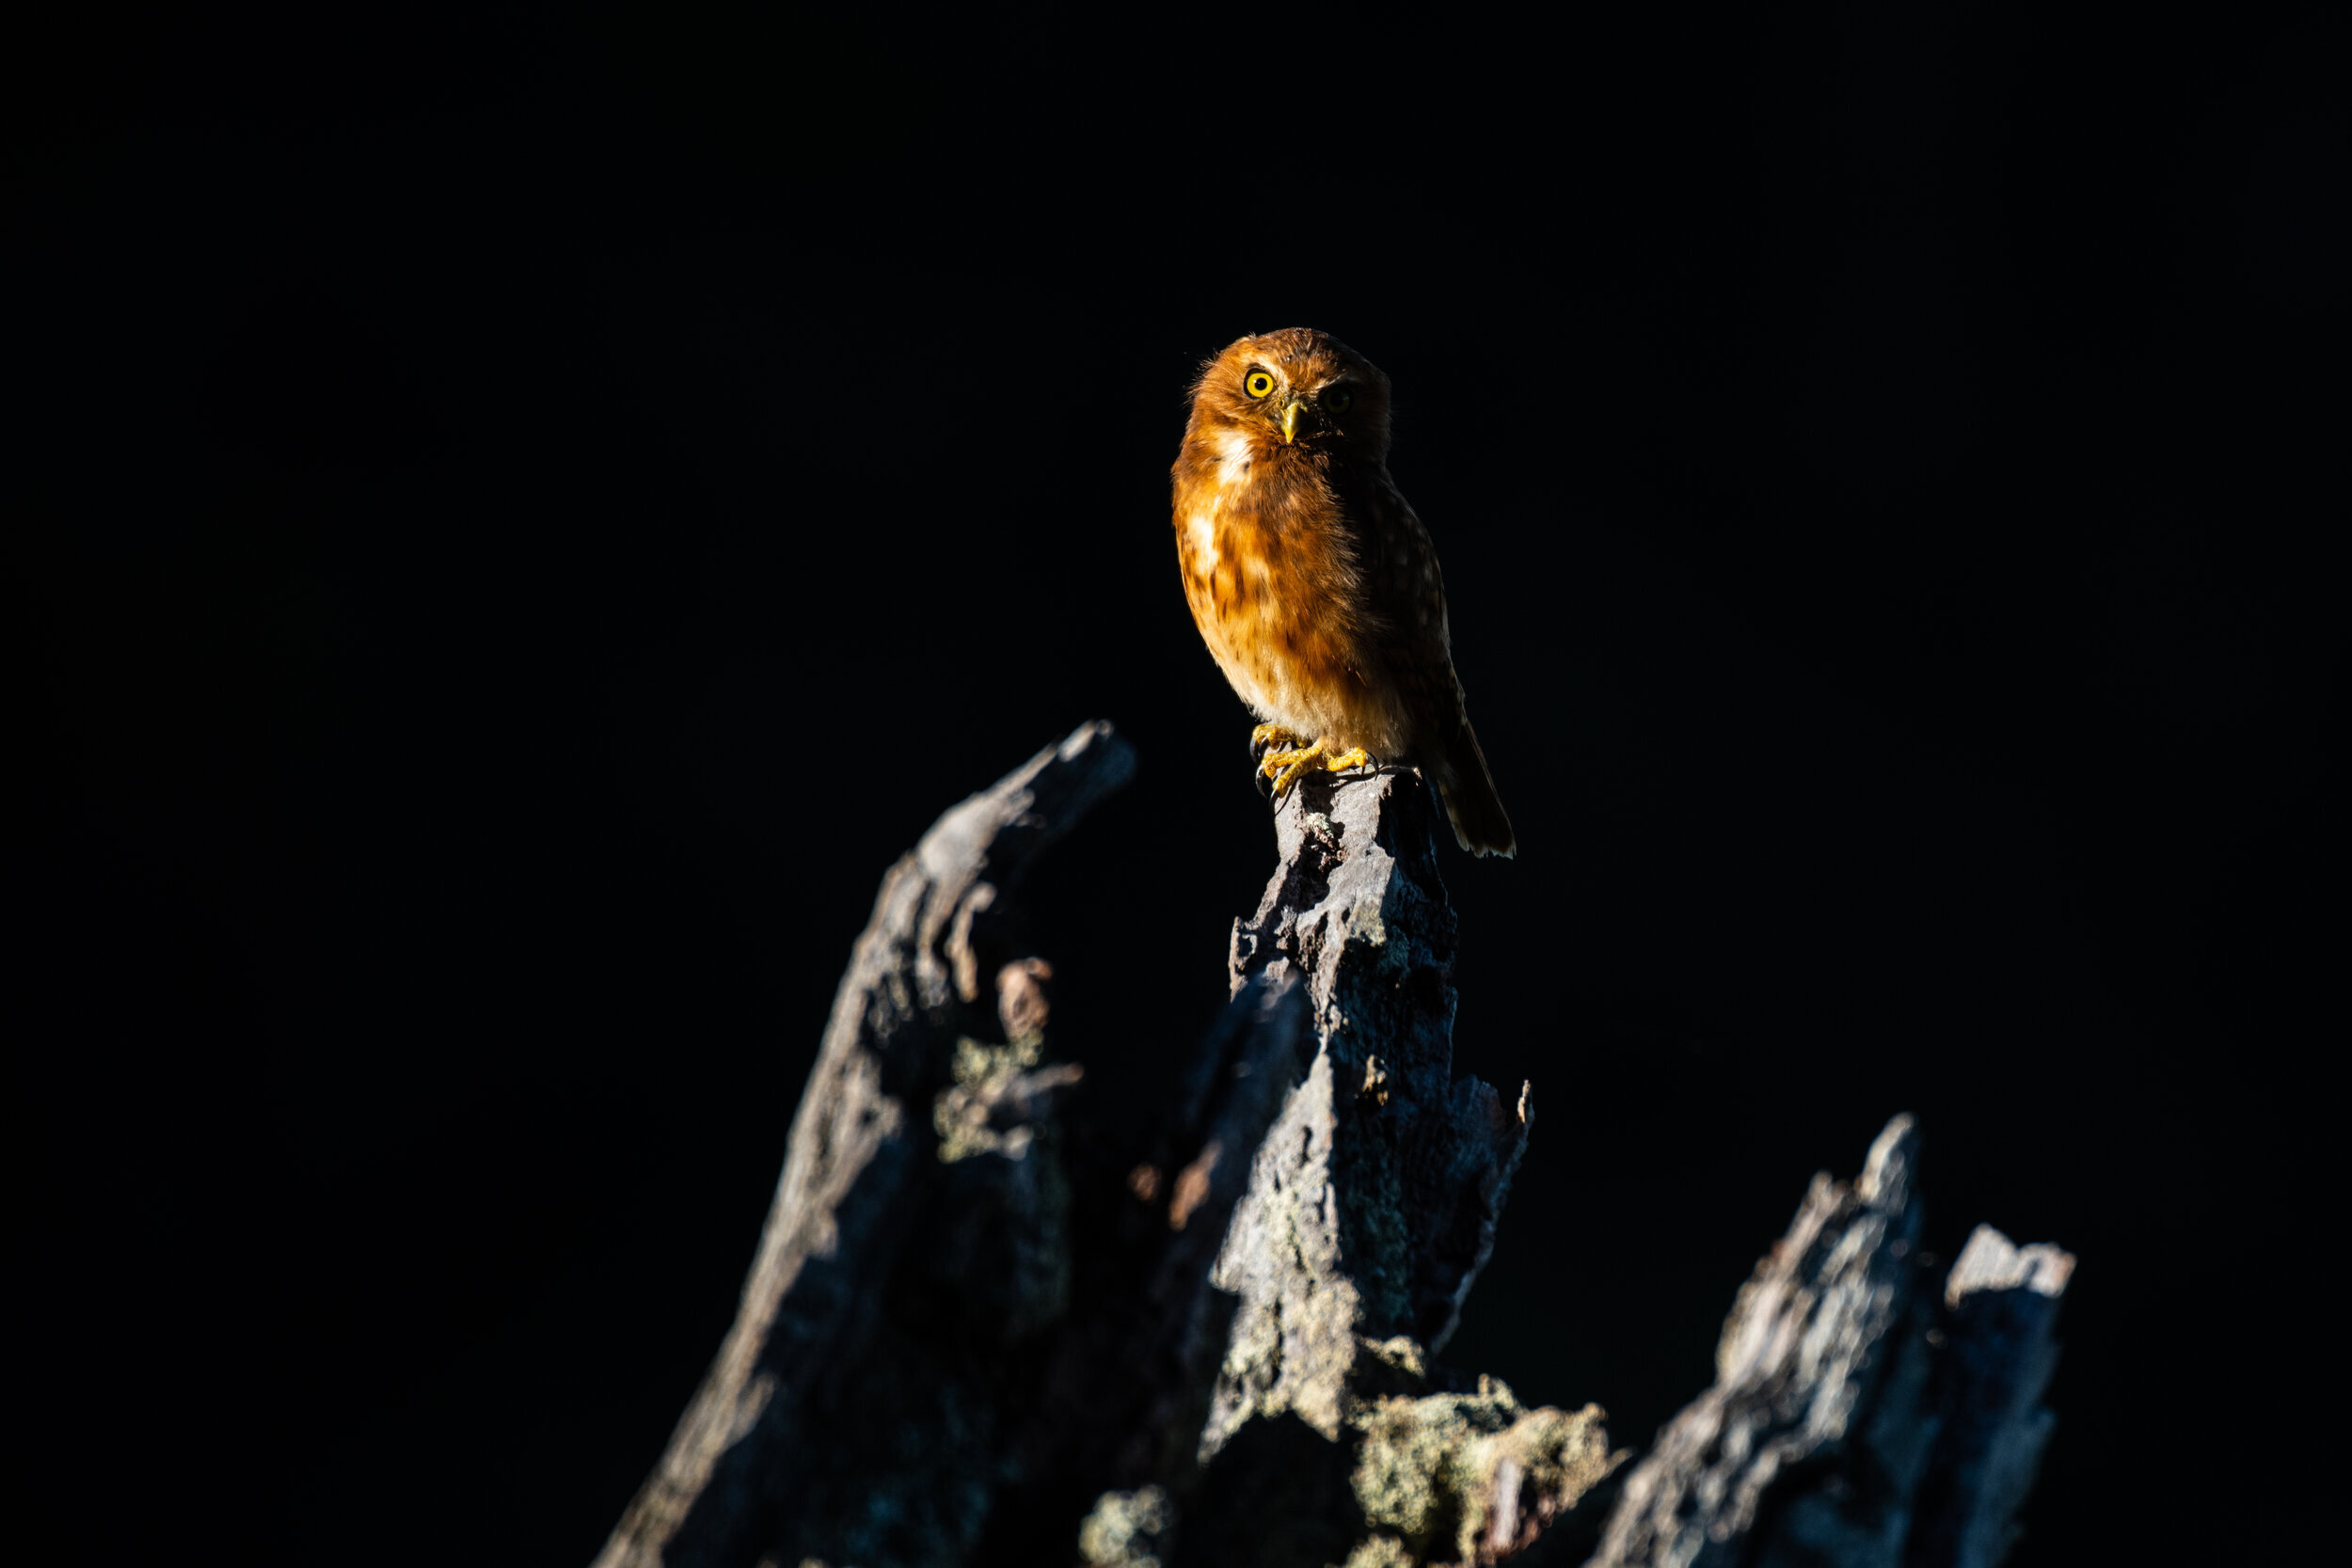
(915, 1247)
(983, 1328)
(1857, 1420)
(1372, 1207)
(961, 1341)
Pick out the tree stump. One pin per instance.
(966, 1339)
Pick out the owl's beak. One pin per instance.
(1290, 423)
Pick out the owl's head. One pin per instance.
(1297, 388)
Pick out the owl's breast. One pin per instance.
(1273, 588)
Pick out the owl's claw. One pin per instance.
(1264, 738)
(1286, 768)
(1271, 737)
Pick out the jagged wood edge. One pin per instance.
(1859, 1417)
(848, 1155)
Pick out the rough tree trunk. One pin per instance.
(978, 1330)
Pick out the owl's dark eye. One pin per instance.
(1338, 399)
(1257, 384)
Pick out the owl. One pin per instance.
(1314, 583)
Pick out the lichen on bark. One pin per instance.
(1473, 1476)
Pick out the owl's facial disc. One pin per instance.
(1303, 390)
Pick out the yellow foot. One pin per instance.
(1264, 738)
(1286, 768)
(1272, 738)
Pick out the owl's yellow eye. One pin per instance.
(1338, 399)
(1257, 384)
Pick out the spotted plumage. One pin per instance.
(1312, 581)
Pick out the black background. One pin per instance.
(529, 514)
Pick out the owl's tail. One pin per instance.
(1480, 824)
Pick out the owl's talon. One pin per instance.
(1270, 737)
(1284, 768)
(1287, 768)
(1264, 738)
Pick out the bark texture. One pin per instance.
(1860, 1417)
(984, 1326)
(1370, 1208)
(916, 1255)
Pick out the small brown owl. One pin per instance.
(1313, 583)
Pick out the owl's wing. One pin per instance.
(1408, 594)
(1409, 620)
